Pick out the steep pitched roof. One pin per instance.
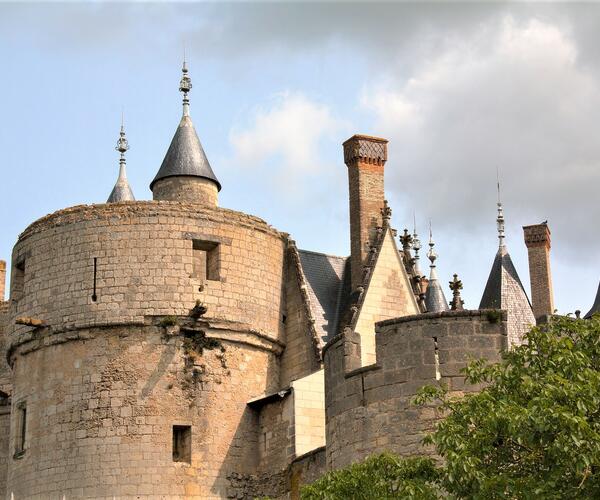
(596, 307)
(185, 156)
(122, 191)
(324, 278)
(435, 301)
(502, 269)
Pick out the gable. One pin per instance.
(388, 295)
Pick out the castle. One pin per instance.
(175, 349)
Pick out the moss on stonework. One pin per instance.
(194, 342)
(493, 316)
(168, 321)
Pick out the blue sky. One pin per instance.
(459, 90)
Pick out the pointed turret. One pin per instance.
(504, 289)
(185, 173)
(122, 191)
(435, 301)
(596, 307)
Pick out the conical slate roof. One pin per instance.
(186, 156)
(596, 307)
(122, 191)
(435, 301)
(503, 269)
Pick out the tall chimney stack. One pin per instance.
(537, 239)
(2, 279)
(365, 158)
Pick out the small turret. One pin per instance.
(185, 173)
(435, 301)
(122, 191)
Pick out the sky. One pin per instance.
(461, 90)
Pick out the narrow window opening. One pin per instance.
(94, 296)
(284, 319)
(436, 354)
(21, 430)
(206, 264)
(19, 280)
(264, 441)
(182, 443)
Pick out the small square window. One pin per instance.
(206, 265)
(182, 443)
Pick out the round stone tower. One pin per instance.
(140, 330)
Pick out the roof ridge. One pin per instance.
(322, 253)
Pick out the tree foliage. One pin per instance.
(383, 476)
(532, 432)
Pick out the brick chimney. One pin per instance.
(2, 279)
(365, 158)
(537, 239)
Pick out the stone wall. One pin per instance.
(5, 373)
(186, 189)
(143, 253)
(275, 432)
(4, 443)
(104, 383)
(300, 357)
(101, 405)
(369, 409)
(309, 413)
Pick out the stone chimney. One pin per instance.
(537, 239)
(365, 158)
(2, 279)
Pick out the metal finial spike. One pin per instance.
(416, 243)
(431, 255)
(185, 85)
(122, 143)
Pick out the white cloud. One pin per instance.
(290, 128)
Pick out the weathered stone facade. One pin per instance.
(174, 349)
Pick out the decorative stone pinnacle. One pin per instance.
(185, 85)
(406, 240)
(386, 211)
(456, 286)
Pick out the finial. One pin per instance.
(456, 286)
(122, 143)
(431, 255)
(500, 218)
(122, 190)
(406, 240)
(386, 212)
(185, 85)
(416, 244)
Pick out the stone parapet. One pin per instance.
(369, 409)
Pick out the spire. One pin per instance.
(416, 245)
(500, 218)
(185, 156)
(122, 190)
(435, 301)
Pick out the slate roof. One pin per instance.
(185, 156)
(596, 307)
(492, 295)
(122, 191)
(435, 301)
(325, 277)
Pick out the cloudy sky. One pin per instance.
(460, 90)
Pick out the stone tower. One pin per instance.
(185, 173)
(537, 239)
(365, 157)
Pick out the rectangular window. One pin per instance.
(21, 430)
(18, 286)
(182, 443)
(206, 265)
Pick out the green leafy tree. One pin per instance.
(533, 432)
(383, 476)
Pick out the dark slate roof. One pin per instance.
(185, 156)
(325, 276)
(435, 301)
(492, 295)
(596, 307)
(122, 191)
